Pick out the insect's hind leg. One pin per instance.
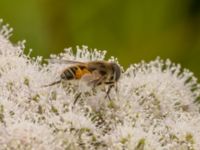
(108, 91)
(51, 84)
(77, 97)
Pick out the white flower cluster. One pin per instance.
(154, 108)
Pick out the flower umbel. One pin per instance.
(155, 106)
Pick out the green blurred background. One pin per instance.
(131, 30)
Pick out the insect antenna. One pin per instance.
(51, 84)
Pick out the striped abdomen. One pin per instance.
(74, 72)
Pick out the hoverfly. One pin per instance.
(95, 73)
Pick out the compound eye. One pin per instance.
(116, 71)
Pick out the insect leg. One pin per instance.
(108, 91)
(116, 88)
(51, 84)
(77, 97)
(97, 82)
(111, 85)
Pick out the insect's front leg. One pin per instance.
(108, 91)
(111, 85)
(116, 88)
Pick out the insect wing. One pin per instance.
(87, 78)
(92, 79)
(62, 61)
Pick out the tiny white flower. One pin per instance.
(155, 106)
